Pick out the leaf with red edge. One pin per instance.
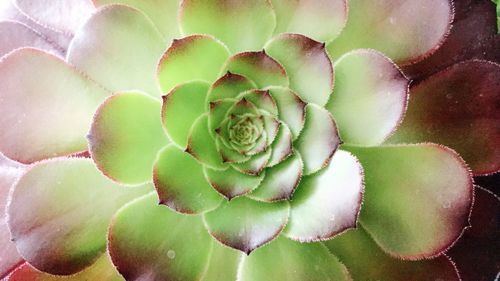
(458, 107)
(41, 118)
(66, 237)
(366, 261)
(417, 198)
(245, 224)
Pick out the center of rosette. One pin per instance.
(245, 131)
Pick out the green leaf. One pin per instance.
(232, 183)
(201, 145)
(229, 86)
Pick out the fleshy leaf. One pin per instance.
(262, 100)
(9, 257)
(327, 202)
(181, 107)
(125, 137)
(54, 117)
(223, 264)
(14, 35)
(229, 86)
(162, 13)
(242, 25)
(119, 48)
(232, 183)
(102, 270)
(218, 112)
(319, 139)
(366, 261)
(271, 126)
(258, 67)
(397, 210)
(290, 107)
(246, 224)
(307, 64)
(148, 241)
(73, 231)
(255, 165)
(180, 182)
(62, 15)
(280, 181)
(196, 57)
(321, 20)
(229, 155)
(395, 28)
(202, 146)
(282, 146)
(369, 99)
(458, 107)
(292, 261)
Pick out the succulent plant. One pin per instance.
(245, 140)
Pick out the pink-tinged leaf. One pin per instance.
(163, 13)
(62, 15)
(366, 261)
(125, 137)
(280, 181)
(196, 57)
(66, 237)
(407, 31)
(287, 260)
(327, 202)
(282, 147)
(473, 35)
(14, 35)
(417, 198)
(229, 86)
(47, 106)
(369, 99)
(245, 224)
(181, 107)
(181, 184)
(307, 64)
(319, 139)
(476, 253)
(232, 183)
(259, 67)
(242, 25)
(148, 241)
(263, 101)
(119, 48)
(458, 107)
(255, 165)
(290, 107)
(102, 270)
(9, 257)
(321, 20)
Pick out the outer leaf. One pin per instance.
(397, 209)
(223, 264)
(119, 47)
(369, 99)
(196, 57)
(14, 35)
(292, 261)
(245, 224)
(125, 137)
(232, 183)
(162, 13)
(42, 111)
(366, 261)
(306, 63)
(63, 15)
(242, 25)
(319, 139)
(395, 30)
(459, 101)
(258, 67)
(280, 181)
(148, 241)
(73, 231)
(180, 182)
(181, 107)
(321, 20)
(102, 270)
(327, 202)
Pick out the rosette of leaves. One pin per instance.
(243, 140)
